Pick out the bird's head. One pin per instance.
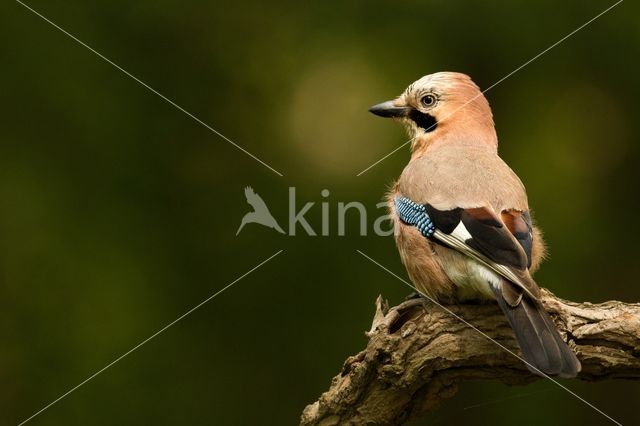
(444, 106)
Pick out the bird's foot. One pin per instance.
(413, 295)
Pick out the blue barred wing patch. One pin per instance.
(415, 214)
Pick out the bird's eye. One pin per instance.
(428, 100)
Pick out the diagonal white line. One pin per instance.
(552, 46)
(148, 338)
(458, 317)
(147, 86)
(498, 82)
(396, 150)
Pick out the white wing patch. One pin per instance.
(461, 232)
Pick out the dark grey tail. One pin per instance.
(539, 341)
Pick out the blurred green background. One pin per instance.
(119, 212)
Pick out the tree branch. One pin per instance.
(418, 354)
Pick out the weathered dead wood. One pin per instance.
(418, 354)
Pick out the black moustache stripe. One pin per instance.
(425, 121)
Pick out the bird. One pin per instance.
(461, 218)
(260, 213)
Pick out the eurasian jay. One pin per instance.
(461, 216)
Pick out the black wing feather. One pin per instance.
(491, 238)
(445, 220)
(488, 235)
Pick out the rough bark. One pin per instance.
(418, 355)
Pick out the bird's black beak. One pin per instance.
(389, 109)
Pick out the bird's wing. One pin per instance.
(504, 246)
(254, 199)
